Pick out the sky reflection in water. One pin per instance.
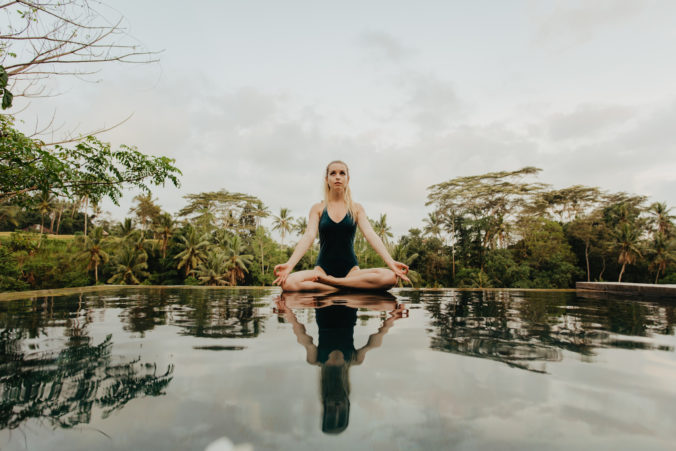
(179, 368)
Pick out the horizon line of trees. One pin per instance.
(491, 230)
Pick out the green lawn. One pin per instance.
(50, 236)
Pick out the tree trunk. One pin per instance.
(86, 216)
(657, 276)
(96, 273)
(603, 268)
(621, 272)
(51, 226)
(586, 257)
(262, 261)
(58, 221)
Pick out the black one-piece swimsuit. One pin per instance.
(336, 245)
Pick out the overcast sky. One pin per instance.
(258, 96)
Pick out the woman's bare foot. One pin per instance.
(326, 279)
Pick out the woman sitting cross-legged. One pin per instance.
(336, 220)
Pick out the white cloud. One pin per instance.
(576, 22)
(588, 121)
(384, 47)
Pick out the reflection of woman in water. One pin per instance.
(335, 352)
(336, 265)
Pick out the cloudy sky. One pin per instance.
(258, 96)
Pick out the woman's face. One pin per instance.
(337, 177)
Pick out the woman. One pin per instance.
(336, 265)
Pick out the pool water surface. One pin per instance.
(175, 369)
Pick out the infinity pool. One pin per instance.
(175, 369)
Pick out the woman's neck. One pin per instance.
(335, 197)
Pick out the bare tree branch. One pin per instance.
(80, 137)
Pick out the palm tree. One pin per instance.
(400, 253)
(433, 224)
(213, 270)
(138, 240)
(662, 218)
(62, 206)
(221, 238)
(125, 228)
(237, 261)
(259, 212)
(194, 249)
(663, 253)
(93, 251)
(145, 209)
(300, 226)
(10, 213)
(44, 207)
(165, 228)
(130, 266)
(382, 229)
(626, 238)
(283, 223)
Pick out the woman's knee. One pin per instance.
(387, 277)
(289, 285)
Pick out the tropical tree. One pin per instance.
(44, 207)
(222, 208)
(130, 266)
(140, 243)
(627, 241)
(382, 229)
(165, 227)
(213, 270)
(662, 219)
(90, 169)
(433, 224)
(663, 253)
(10, 214)
(484, 205)
(92, 251)
(193, 250)
(300, 226)
(236, 260)
(283, 223)
(125, 228)
(587, 229)
(146, 210)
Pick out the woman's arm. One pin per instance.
(300, 332)
(377, 244)
(282, 271)
(376, 339)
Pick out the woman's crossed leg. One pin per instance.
(360, 279)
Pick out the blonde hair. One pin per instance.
(347, 194)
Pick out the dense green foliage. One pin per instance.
(494, 230)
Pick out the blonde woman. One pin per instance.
(336, 220)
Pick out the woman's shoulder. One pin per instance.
(358, 208)
(317, 208)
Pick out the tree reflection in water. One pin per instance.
(525, 331)
(199, 313)
(336, 316)
(63, 386)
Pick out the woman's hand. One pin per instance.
(282, 271)
(400, 270)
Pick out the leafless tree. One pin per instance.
(40, 39)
